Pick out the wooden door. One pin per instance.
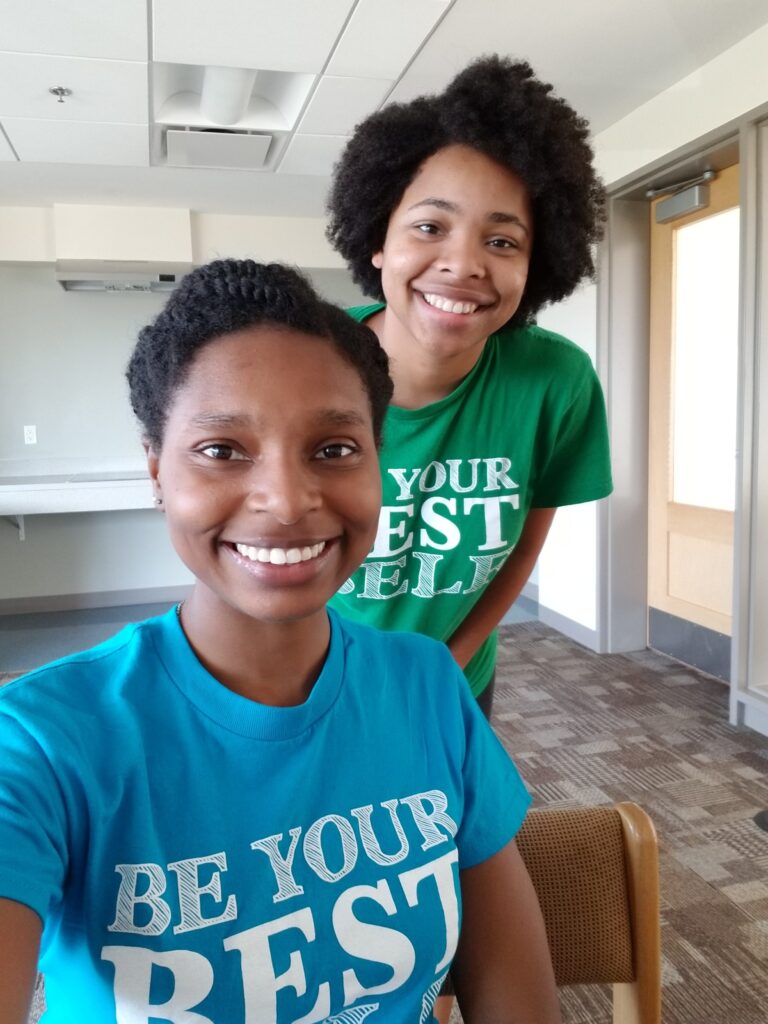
(693, 367)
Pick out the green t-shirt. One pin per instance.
(525, 429)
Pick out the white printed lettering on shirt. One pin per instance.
(442, 872)
(261, 984)
(193, 974)
(385, 531)
(287, 885)
(447, 527)
(190, 891)
(192, 982)
(129, 898)
(371, 942)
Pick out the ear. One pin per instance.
(153, 465)
(378, 259)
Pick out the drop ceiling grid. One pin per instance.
(377, 45)
(338, 104)
(77, 28)
(102, 90)
(381, 38)
(78, 142)
(367, 42)
(6, 153)
(290, 35)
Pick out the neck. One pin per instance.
(420, 377)
(270, 663)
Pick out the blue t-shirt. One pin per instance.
(197, 857)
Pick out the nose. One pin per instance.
(284, 487)
(462, 255)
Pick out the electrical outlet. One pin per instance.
(30, 435)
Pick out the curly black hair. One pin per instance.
(227, 296)
(498, 107)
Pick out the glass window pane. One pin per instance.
(704, 361)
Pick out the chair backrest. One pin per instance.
(596, 873)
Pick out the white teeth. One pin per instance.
(280, 556)
(450, 307)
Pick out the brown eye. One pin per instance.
(335, 451)
(221, 452)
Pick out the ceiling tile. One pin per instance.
(289, 35)
(6, 153)
(338, 104)
(78, 142)
(79, 28)
(102, 90)
(381, 38)
(312, 154)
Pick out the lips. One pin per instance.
(279, 555)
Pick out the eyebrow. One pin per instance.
(332, 417)
(221, 419)
(495, 217)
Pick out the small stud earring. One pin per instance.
(158, 501)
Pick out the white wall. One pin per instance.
(88, 554)
(567, 565)
(721, 90)
(62, 363)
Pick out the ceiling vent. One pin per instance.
(223, 118)
(216, 147)
(119, 276)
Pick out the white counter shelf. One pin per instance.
(92, 491)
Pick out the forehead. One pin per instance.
(271, 368)
(462, 174)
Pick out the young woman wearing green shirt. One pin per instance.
(463, 214)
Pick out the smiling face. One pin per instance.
(455, 259)
(269, 474)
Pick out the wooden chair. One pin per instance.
(596, 873)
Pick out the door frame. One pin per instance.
(622, 358)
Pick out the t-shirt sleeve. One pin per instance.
(33, 852)
(577, 466)
(495, 797)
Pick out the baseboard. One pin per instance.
(99, 599)
(690, 643)
(573, 630)
(755, 718)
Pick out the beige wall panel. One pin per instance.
(700, 572)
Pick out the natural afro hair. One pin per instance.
(498, 107)
(227, 296)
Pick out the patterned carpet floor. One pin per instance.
(591, 729)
